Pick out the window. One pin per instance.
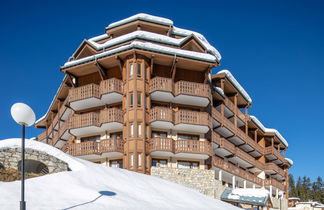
(90, 138)
(131, 128)
(157, 134)
(188, 137)
(139, 130)
(139, 70)
(139, 160)
(159, 163)
(131, 70)
(116, 135)
(139, 97)
(131, 160)
(116, 163)
(131, 100)
(188, 164)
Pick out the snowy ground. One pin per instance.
(93, 186)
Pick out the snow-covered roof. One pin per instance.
(254, 196)
(145, 46)
(53, 100)
(269, 130)
(220, 91)
(236, 84)
(142, 16)
(96, 186)
(293, 198)
(290, 161)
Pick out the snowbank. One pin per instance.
(93, 186)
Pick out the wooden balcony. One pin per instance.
(229, 104)
(160, 84)
(192, 117)
(273, 152)
(84, 120)
(193, 146)
(247, 139)
(111, 115)
(231, 168)
(92, 95)
(274, 168)
(41, 136)
(95, 149)
(84, 92)
(275, 183)
(110, 86)
(161, 146)
(225, 144)
(244, 156)
(192, 88)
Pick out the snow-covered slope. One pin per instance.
(93, 186)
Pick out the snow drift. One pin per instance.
(93, 186)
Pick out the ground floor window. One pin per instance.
(159, 163)
(188, 164)
(116, 163)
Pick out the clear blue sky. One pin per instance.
(274, 49)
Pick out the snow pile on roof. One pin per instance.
(74, 164)
(95, 186)
(269, 130)
(236, 84)
(290, 161)
(220, 91)
(250, 192)
(142, 16)
(145, 46)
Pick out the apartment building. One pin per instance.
(142, 95)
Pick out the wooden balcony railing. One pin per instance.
(217, 115)
(161, 144)
(275, 183)
(84, 148)
(111, 85)
(231, 168)
(192, 88)
(216, 138)
(84, 120)
(160, 114)
(111, 145)
(192, 146)
(271, 150)
(245, 156)
(95, 148)
(275, 167)
(228, 145)
(42, 136)
(192, 117)
(234, 109)
(247, 139)
(84, 92)
(160, 84)
(111, 115)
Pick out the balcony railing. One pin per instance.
(84, 92)
(192, 117)
(228, 145)
(234, 109)
(274, 167)
(95, 91)
(84, 120)
(271, 150)
(160, 114)
(217, 115)
(160, 84)
(161, 144)
(111, 115)
(192, 88)
(95, 148)
(111, 85)
(275, 183)
(231, 168)
(192, 146)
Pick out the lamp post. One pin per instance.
(24, 116)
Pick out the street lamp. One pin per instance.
(24, 116)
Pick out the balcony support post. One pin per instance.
(277, 193)
(220, 175)
(244, 184)
(270, 190)
(253, 186)
(233, 182)
(101, 70)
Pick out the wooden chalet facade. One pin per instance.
(142, 95)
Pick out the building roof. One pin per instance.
(258, 197)
(269, 130)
